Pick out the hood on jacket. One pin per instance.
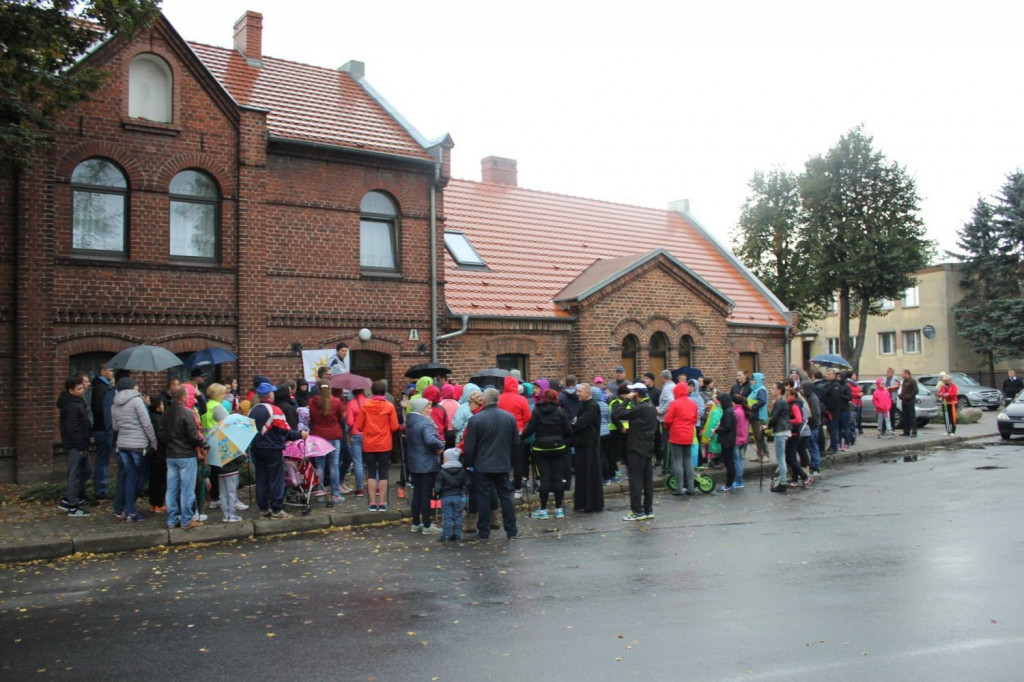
(511, 385)
(878, 383)
(758, 378)
(447, 392)
(432, 393)
(542, 385)
(597, 394)
(680, 391)
(123, 396)
(282, 393)
(725, 400)
(422, 383)
(468, 390)
(260, 379)
(190, 395)
(457, 392)
(528, 389)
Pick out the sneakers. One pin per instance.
(232, 518)
(432, 530)
(193, 524)
(795, 484)
(157, 510)
(416, 528)
(214, 504)
(607, 481)
(518, 494)
(345, 490)
(280, 514)
(779, 488)
(77, 513)
(119, 515)
(560, 513)
(359, 492)
(815, 472)
(382, 507)
(64, 504)
(807, 482)
(264, 513)
(633, 516)
(648, 516)
(539, 514)
(241, 506)
(738, 485)
(337, 498)
(134, 518)
(371, 507)
(725, 488)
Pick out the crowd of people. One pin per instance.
(460, 443)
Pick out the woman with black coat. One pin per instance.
(726, 431)
(551, 427)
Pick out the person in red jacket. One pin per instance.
(355, 437)
(948, 394)
(326, 416)
(377, 420)
(519, 407)
(681, 424)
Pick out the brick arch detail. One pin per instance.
(500, 345)
(749, 346)
(87, 150)
(90, 342)
(625, 328)
(200, 162)
(184, 341)
(689, 327)
(656, 324)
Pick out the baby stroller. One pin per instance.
(300, 478)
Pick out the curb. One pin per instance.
(216, 532)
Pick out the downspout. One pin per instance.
(433, 255)
(452, 335)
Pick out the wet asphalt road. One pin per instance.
(884, 571)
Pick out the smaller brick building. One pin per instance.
(552, 284)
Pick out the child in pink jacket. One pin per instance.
(882, 401)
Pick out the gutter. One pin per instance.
(452, 335)
(433, 256)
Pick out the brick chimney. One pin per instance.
(249, 37)
(499, 171)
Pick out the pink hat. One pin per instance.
(598, 380)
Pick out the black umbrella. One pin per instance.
(210, 356)
(427, 369)
(494, 376)
(692, 373)
(144, 359)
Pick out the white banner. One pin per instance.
(312, 360)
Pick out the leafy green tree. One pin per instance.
(40, 75)
(1008, 216)
(770, 241)
(867, 236)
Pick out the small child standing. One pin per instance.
(883, 404)
(450, 487)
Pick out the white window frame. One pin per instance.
(888, 304)
(832, 343)
(150, 89)
(891, 337)
(377, 216)
(911, 334)
(912, 297)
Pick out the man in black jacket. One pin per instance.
(1012, 386)
(102, 431)
(642, 417)
(832, 403)
(75, 430)
(491, 438)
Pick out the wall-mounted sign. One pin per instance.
(928, 331)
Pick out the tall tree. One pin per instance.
(862, 215)
(770, 241)
(1008, 216)
(40, 74)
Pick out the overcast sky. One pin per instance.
(649, 102)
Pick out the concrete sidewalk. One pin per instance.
(30, 531)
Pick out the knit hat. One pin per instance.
(419, 404)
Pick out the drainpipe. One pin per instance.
(452, 335)
(433, 257)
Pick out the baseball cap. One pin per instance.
(598, 380)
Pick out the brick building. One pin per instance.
(213, 197)
(549, 283)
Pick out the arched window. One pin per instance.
(99, 193)
(378, 233)
(150, 89)
(658, 356)
(195, 219)
(630, 344)
(686, 351)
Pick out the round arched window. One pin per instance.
(99, 193)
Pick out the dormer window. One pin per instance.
(150, 89)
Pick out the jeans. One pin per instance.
(331, 461)
(356, 451)
(269, 469)
(780, 455)
(844, 427)
(129, 480)
(884, 426)
(181, 489)
(498, 482)
(815, 450)
(78, 473)
(738, 451)
(423, 486)
(682, 465)
(833, 435)
(104, 448)
(451, 507)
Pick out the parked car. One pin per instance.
(1011, 420)
(925, 408)
(970, 392)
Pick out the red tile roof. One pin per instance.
(536, 243)
(310, 103)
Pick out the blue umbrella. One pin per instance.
(210, 356)
(831, 360)
(229, 439)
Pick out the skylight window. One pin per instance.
(462, 250)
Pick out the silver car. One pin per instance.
(969, 392)
(925, 408)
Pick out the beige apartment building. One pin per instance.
(918, 333)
